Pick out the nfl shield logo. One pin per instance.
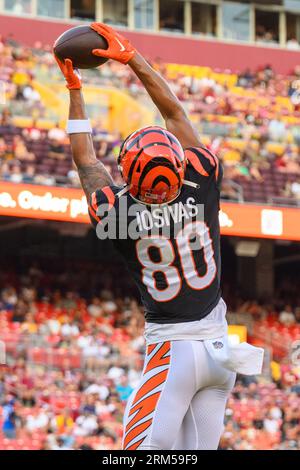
(218, 345)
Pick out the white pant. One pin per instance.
(180, 401)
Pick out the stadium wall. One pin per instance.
(173, 48)
(69, 205)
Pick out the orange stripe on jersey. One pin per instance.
(217, 166)
(150, 348)
(151, 385)
(159, 359)
(213, 160)
(94, 202)
(142, 409)
(136, 431)
(195, 162)
(110, 196)
(93, 214)
(207, 155)
(93, 207)
(135, 445)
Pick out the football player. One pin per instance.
(171, 178)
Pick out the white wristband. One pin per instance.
(79, 126)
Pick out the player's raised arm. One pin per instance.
(168, 104)
(172, 111)
(93, 175)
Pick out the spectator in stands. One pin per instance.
(16, 175)
(170, 23)
(101, 392)
(277, 129)
(73, 178)
(86, 424)
(245, 79)
(19, 311)
(272, 424)
(57, 139)
(20, 78)
(56, 134)
(20, 150)
(63, 422)
(124, 389)
(29, 325)
(3, 149)
(31, 95)
(289, 162)
(33, 133)
(6, 117)
(260, 32)
(37, 421)
(21, 6)
(69, 329)
(265, 35)
(293, 44)
(9, 298)
(95, 308)
(229, 192)
(9, 425)
(286, 316)
(56, 151)
(45, 180)
(29, 174)
(5, 172)
(295, 131)
(292, 189)
(27, 398)
(297, 314)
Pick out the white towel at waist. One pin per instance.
(242, 358)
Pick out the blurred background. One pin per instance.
(70, 317)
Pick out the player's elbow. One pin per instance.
(176, 114)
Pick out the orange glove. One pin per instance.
(119, 48)
(72, 76)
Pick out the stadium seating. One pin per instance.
(65, 362)
(231, 111)
(67, 355)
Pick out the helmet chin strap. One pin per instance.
(126, 190)
(123, 191)
(191, 184)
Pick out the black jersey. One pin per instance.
(177, 272)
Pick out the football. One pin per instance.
(77, 44)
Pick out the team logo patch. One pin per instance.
(218, 345)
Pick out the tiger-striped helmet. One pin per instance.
(152, 163)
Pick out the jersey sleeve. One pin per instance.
(205, 163)
(101, 202)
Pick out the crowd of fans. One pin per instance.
(71, 393)
(74, 357)
(263, 416)
(37, 156)
(251, 120)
